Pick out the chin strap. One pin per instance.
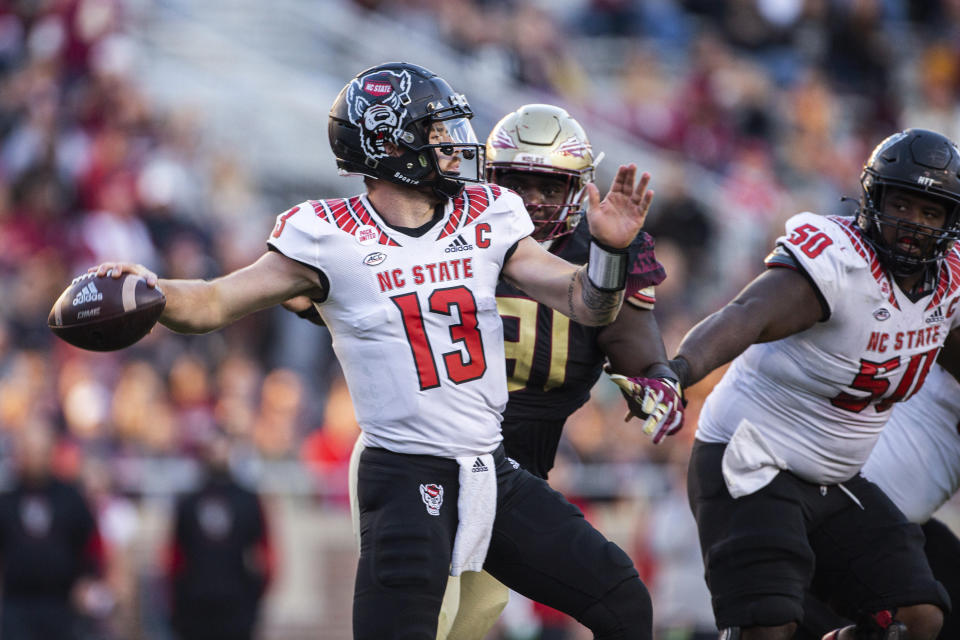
(447, 188)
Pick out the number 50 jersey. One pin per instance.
(413, 316)
(821, 397)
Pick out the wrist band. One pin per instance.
(682, 368)
(607, 267)
(661, 370)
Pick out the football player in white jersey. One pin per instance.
(822, 349)
(917, 464)
(543, 154)
(404, 276)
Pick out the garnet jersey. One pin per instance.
(414, 318)
(820, 397)
(917, 459)
(553, 362)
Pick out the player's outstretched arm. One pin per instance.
(778, 303)
(633, 344)
(563, 286)
(592, 294)
(199, 306)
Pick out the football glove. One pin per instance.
(658, 402)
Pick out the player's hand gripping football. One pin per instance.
(117, 269)
(617, 218)
(658, 402)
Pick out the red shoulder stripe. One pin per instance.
(478, 202)
(318, 208)
(469, 205)
(953, 260)
(341, 215)
(868, 254)
(949, 278)
(454, 220)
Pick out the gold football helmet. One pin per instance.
(543, 143)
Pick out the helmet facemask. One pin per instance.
(451, 150)
(914, 246)
(551, 220)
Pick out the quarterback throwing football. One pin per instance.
(405, 277)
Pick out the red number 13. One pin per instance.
(465, 332)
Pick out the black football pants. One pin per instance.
(542, 547)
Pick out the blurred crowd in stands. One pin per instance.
(775, 101)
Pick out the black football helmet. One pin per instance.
(927, 164)
(379, 127)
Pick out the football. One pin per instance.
(105, 314)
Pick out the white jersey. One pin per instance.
(821, 397)
(917, 458)
(414, 319)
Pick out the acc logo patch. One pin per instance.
(375, 258)
(366, 234)
(881, 314)
(432, 495)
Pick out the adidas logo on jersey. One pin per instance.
(458, 244)
(936, 316)
(88, 294)
(479, 467)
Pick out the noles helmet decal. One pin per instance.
(376, 104)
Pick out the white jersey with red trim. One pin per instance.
(917, 458)
(820, 397)
(414, 318)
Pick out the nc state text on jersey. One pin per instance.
(432, 272)
(927, 337)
